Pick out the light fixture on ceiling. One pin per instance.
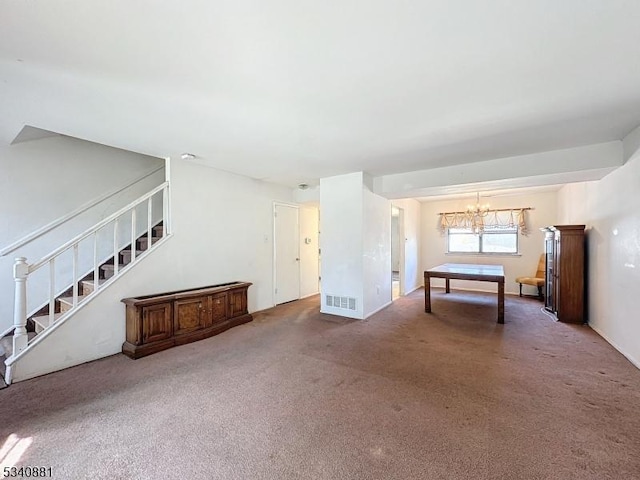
(478, 209)
(188, 156)
(303, 186)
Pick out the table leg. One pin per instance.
(427, 293)
(447, 289)
(501, 302)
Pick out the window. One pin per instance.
(491, 240)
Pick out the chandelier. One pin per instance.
(480, 216)
(478, 210)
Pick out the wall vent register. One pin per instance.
(348, 303)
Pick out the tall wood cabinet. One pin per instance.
(565, 269)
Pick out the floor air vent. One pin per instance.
(348, 303)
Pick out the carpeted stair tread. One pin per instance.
(66, 303)
(87, 286)
(144, 241)
(45, 320)
(126, 255)
(109, 270)
(6, 344)
(109, 266)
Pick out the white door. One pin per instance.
(287, 253)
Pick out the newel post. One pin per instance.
(20, 273)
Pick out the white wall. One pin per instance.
(609, 208)
(412, 232)
(222, 231)
(341, 228)
(309, 266)
(434, 244)
(45, 179)
(356, 244)
(376, 252)
(309, 196)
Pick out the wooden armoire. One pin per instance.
(565, 282)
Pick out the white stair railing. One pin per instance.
(78, 211)
(23, 270)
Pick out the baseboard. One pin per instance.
(407, 292)
(377, 310)
(310, 295)
(635, 362)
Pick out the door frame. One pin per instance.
(273, 258)
(401, 253)
(403, 247)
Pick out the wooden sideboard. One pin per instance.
(161, 321)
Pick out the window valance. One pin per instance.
(478, 221)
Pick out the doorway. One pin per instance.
(397, 252)
(286, 252)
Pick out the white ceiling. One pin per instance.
(487, 194)
(291, 90)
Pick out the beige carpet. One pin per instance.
(300, 395)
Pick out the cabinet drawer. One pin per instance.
(156, 322)
(190, 315)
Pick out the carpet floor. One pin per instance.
(296, 394)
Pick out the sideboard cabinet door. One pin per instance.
(237, 302)
(157, 322)
(218, 308)
(190, 315)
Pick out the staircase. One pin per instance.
(33, 328)
(43, 319)
(86, 286)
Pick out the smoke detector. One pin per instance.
(188, 156)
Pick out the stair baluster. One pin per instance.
(75, 275)
(133, 235)
(96, 263)
(20, 273)
(52, 290)
(149, 226)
